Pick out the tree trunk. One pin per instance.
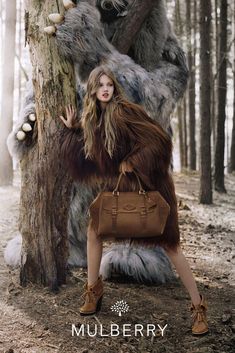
(181, 110)
(191, 89)
(180, 127)
(222, 90)
(185, 149)
(7, 104)
(232, 150)
(20, 32)
(45, 191)
(205, 195)
(213, 72)
(215, 77)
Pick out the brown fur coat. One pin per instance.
(140, 141)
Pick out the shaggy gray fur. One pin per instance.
(12, 253)
(126, 262)
(154, 74)
(16, 148)
(81, 38)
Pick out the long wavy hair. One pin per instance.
(91, 116)
(120, 114)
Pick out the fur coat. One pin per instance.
(145, 145)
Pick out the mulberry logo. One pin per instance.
(114, 330)
(120, 307)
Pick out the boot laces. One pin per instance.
(198, 314)
(89, 296)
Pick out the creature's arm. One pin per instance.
(131, 24)
(24, 133)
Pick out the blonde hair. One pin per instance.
(90, 120)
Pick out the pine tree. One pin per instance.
(205, 196)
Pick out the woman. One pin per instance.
(113, 136)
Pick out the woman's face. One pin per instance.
(106, 88)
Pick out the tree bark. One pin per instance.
(6, 168)
(45, 191)
(205, 195)
(131, 24)
(232, 149)
(185, 155)
(222, 90)
(181, 110)
(19, 56)
(214, 71)
(191, 89)
(180, 127)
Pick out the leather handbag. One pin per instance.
(134, 214)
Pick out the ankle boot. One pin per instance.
(199, 325)
(93, 297)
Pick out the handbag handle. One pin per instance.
(141, 190)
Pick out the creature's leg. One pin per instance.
(182, 267)
(140, 264)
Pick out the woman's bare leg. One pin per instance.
(182, 267)
(94, 255)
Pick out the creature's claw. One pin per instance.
(32, 117)
(68, 4)
(56, 18)
(50, 30)
(26, 127)
(21, 135)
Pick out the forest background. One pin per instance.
(189, 139)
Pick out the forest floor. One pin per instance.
(34, 320)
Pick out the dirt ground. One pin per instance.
(34, 320)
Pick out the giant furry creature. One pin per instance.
(153, 74)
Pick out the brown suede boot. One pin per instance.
(93, 297)
(200, 325)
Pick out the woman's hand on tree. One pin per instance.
(71, 116)
(125, 167)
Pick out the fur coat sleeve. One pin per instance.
(151, 153)
(80, 168)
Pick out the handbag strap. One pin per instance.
(114, 213)
(141, 190)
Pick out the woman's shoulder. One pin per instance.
(133, 114)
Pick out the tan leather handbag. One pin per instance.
(135, 214)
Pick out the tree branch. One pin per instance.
(131, 24)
